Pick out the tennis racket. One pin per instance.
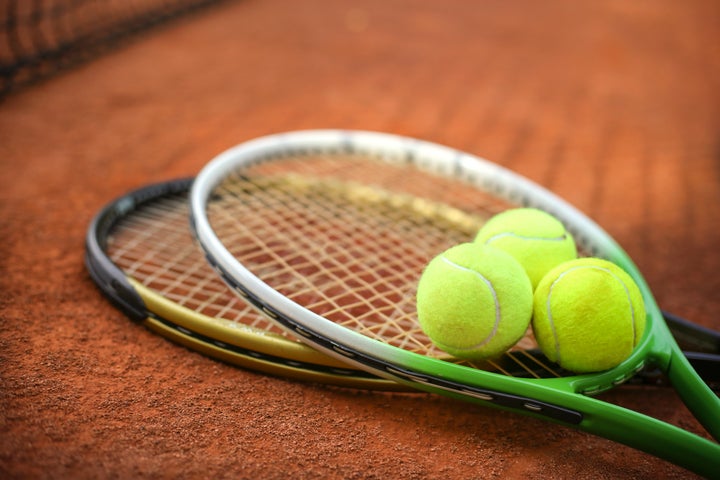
(327, 232)
(142, 256)
(140, 253)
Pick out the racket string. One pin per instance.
(359, 280)
(343, 249)
(154, 246)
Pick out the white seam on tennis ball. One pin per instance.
(495, 299)
(560, 238)
(549, 311)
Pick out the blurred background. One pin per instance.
(613, 105)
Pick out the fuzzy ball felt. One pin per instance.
(588, 315)
(474, 301)
(536, 239)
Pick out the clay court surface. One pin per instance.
(613, 105)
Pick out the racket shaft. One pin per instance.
(652, 436)
(698, 396)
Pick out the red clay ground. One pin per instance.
(614, 105)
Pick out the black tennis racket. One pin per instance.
(327, 232)
(140, 253)
(142, 256)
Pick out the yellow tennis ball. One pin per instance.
(536, 239)
(588, 315)
(474, 301)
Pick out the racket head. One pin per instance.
(319, 165)
(424, 159)
(140, 254)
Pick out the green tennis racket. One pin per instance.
(327, 232)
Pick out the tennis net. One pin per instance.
(41, 37)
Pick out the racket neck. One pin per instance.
(697, 395)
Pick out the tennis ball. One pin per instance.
(588, 315)
(474, 301)
(536, 239)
